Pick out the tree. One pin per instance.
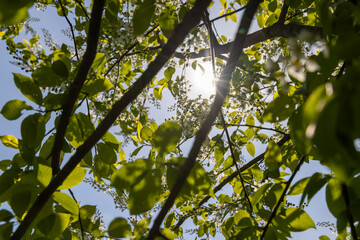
(304, 56)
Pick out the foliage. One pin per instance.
(295, 79)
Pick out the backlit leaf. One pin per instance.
(13, 108)
(9, 141)
(142, 16)
(28, 88)
(75, 177)
(119, 228)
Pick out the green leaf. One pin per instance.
(9, 141)
(13, 108)
(169, 72)
(316, 182)
(7, 179)
(99, 62)
(334, 197)
(146, 133)
(298, 220)
(53, 225)
(279, 109)
(324, 237)
(5, 215)
(250, 147)
(66, 202)
(111, 140)
(106, 153)
(75, 177)
(273, 156)
(28, 88)
(125, 177)
(100, 84)
(260, 193)
(119, 228)
(242, 218)
(167, 137)
(44, 174)
(146, 192)
(250, 120)
(14, 12)
(45, 77)
(167, 20)
(142, 16)
(299, 187)
(198, 181)
(20, 201)
(80, 128)
(33, 130)
(60, 69)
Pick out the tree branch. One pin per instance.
(274, 31)
(222, 90)
(178, 36)
(71, 29)
(234, 160)
(350, 217)
(76, 85)
(233, 175)
(253, 126)
(273, 214)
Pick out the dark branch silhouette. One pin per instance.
(234, 175)
(76, 85)
(190, 20)
(273, 213)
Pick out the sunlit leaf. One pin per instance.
(9, 141)
(145, 193)
(13, 108)
(75, 177)
(66, 202)
(142, 16)
(166, 137)
(119, 228)
(28, 88)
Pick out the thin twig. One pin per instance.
(253, 126)
(350, 217)
(273, 214)
(235, 162)
(227, 180)
(71, 29)
(83, 8)
(127, 51)
(80, 221)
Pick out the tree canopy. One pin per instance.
(288, 87)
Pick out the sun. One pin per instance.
(202, 79)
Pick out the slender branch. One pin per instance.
(71, 29)
(80, 221)
(273, 214)
(234, 160)
(127, 51)
(274, 31)
(222, 90)
(225, 15)
(253, 126)
(190, 20)
(350, 217)
(83, 8)
(234, 175)
(76, 85)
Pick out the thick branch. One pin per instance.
(273, 214)
(75, 88)
(286, 31)
(234, 174)
(222, 90)
(178, 36)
